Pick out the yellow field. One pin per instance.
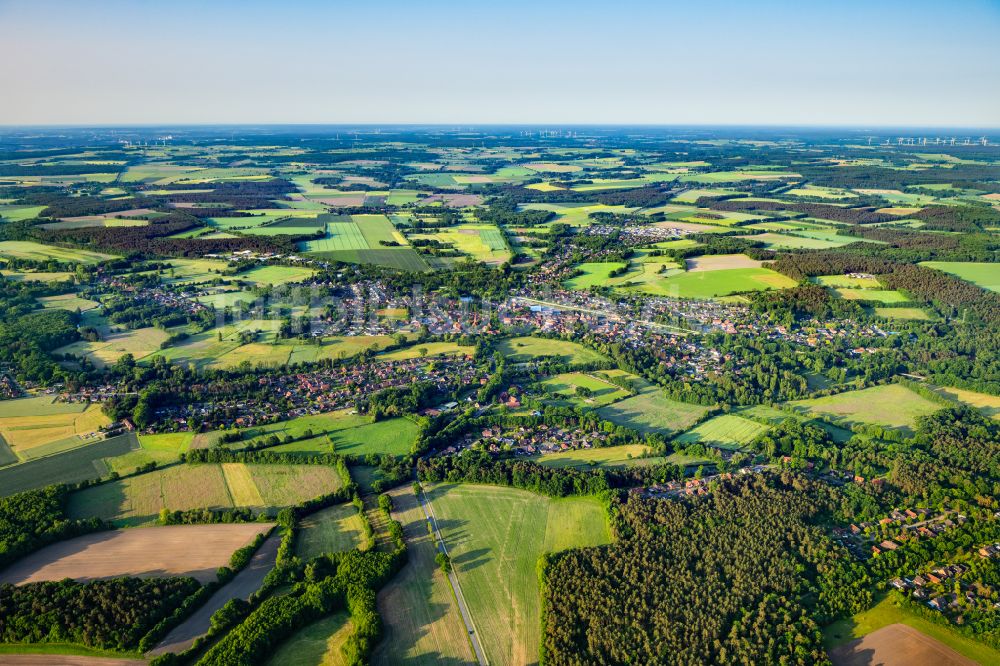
(241, 486)
(140, 342)
(984, 402)
(26, 435)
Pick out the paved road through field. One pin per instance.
(245, 583)
(459, 597)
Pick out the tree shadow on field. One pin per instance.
(472, 559)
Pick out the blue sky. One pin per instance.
(561, 62)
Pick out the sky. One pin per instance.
(844, 62)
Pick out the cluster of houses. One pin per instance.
(9, 388)
(528, 440)
(944, 590)
(280, 396)
(693, 486)
(892, 531)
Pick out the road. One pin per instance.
(245, 583)
(453, 577)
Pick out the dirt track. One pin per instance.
(897, 645)
(148, 552)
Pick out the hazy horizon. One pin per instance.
(776, 64)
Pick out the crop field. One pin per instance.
(887, 296)
(595, 274)
(35, 276)
(726, 431)
(651, 411)
(718, 262)
(153, 552)
(39, 252)
(793, 241)
(36, 436)
(482, 242)
(331, 530)
(915, 314)
(317, 644)
(275, 275)
(889, 613)
(496, 534)
(986, 275)
(605, 456)
(82, 463)
(16, 213)
(193, 271)
(422, 622)
(576, 214)
(988, 404)
(426, 350)
(847, 282)
(891, 405)
(140, 342)
(343, 432)
(70, 302)
(564, 387)
(138, 500)
(526, 349)
(712, 283)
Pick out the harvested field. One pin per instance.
(897, 645)
(153, 552)
(719, 262)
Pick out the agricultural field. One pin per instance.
(531, 349)
(342, 432)
(594, 275)
(330, 530)
(986, 275)
(316, 644)
(847, 281)
(988, 404)
(887, 296)
(422, 621)
(138, 500)
(496, 534)
(907, 630)
(870, 406)
(274, 275)
(153, 552)
(606, 456)
(71, 302)
(564, 389)
(43, 432)
(912, 314)
(651, 411)
(426, 350)
(482, 242)
(39, 252)
(726, 431)
(140, 343)
(73, 465)
(711, 283)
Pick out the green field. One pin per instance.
(426, 350)
(709, 284)
(594, 275)
(140, 342)
(564, 387)
(847, 282)
(891, 405)
(82, 463)
(606, 456)
(422, 621)
(988, 404)
(40, 252)
(915, 314)
(356, 435)
(526, 349)
(891, 610)
(878, 295)
(986, 275)
(726, 431)
(651, 411)
(138, 500)
(317, 644)
(496, 534)
(330, 530)
(275, 275)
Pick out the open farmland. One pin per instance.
(600, 392)
(606, 456)
(891, 405)
(330, 530)
(986, 275)
(726, 431)
(988, 404)
(709, 283)
(651, 411)
(140, 343)
(82, 463)
(138, 500)
(422, 621)
(38, 435)
(388, 437)
(528, 349)
(176, 550)
(39, 252)
(496, 534)
(909, 635)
